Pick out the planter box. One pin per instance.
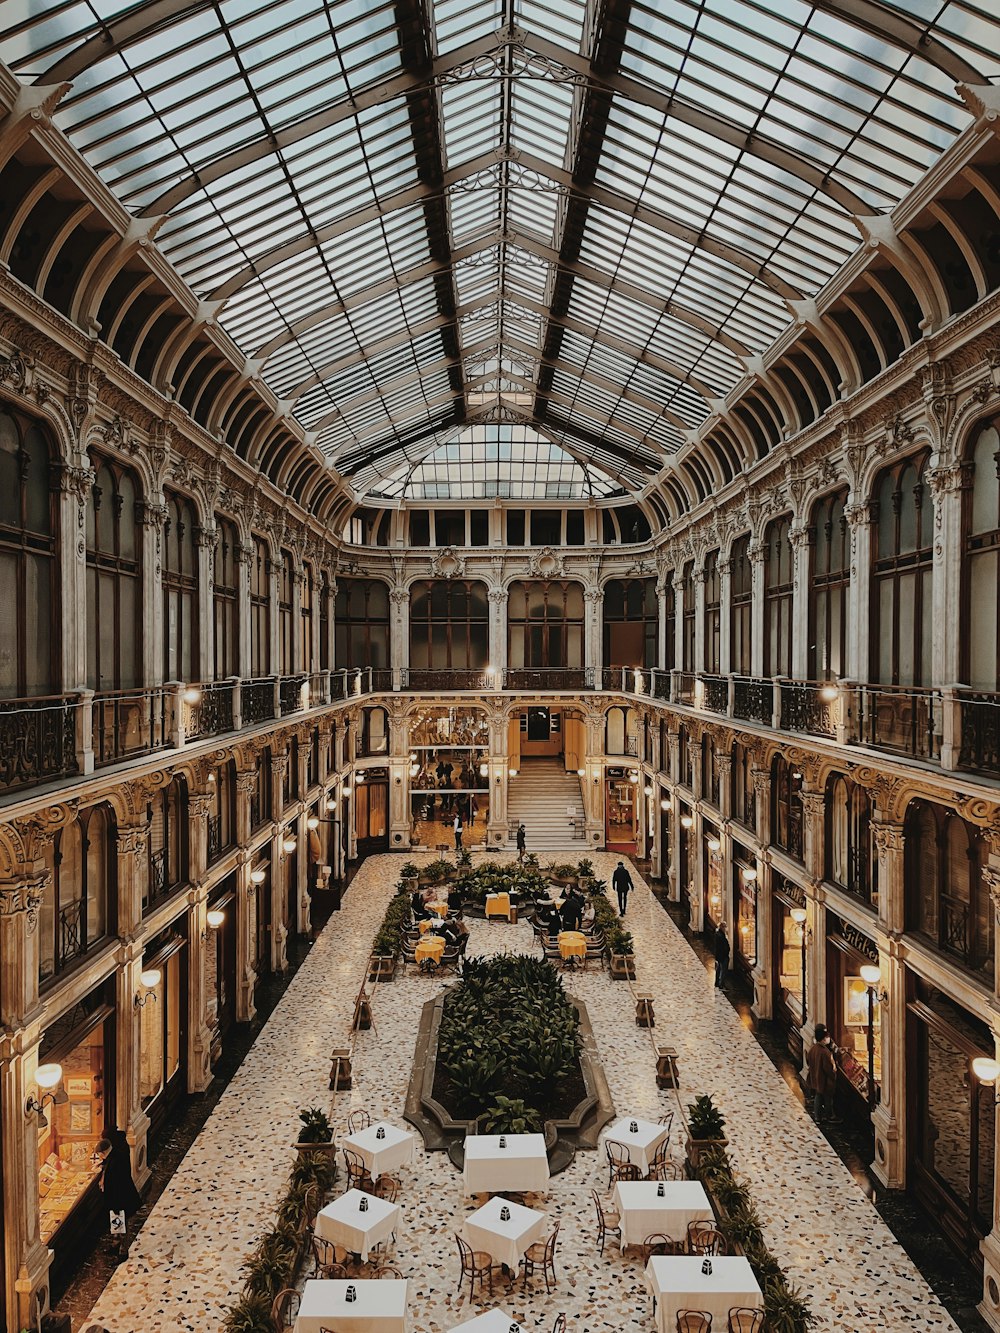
(382, 968)
(569, 882)
(695, 1147)
(622, 966)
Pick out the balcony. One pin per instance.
(904, 719)
(257, 701)
(130, 723)
(753, 699)
(213, 713)
(452, 679)
(37, 740)
(979, 731)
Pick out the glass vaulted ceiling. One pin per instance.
(434, 225)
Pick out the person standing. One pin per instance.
(721, 954)
(521, 840)
(621, 882)
(821, 1077)
(120, 1194)
(572, 910)
(457, 826)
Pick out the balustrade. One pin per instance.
(753, 699)
(446, 679)
(716, 693)
(213, 713)
(906, 719)
(290, 694)
(803, 708)
(980, 732)
(548, 678)
(684, 687)
(128, 723)
(37, 741)
(257, 701)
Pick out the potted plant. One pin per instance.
(315, 1127)
(563, 873)
(464, 857)
(385, 951)
(706, 1128)
(510, 1116)
(409, 876)
(620, 949)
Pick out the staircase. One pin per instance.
(541, 798)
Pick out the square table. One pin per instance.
(521, 1166)
(380, 1306)
(677, 1283)
(572, 944)
(498, 904)
(504, 1242)
(644, 1213)
(642, 1143)
(430, 946)
(493, 1321)
(381, 1155)
(342, 1222)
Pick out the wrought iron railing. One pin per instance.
(414, 678)
(906, 719)
(548, 678)
(128, 723)
(979, 743)
(380, 679)
(716, 696)
(256, 817)
(753, 699)
(71, 941)
(257, 701)
(803, 708)
(290, 694)
(37, 741)
(213, 713)
(684, 687)
(661, 685)
(214, 837)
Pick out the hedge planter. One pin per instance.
(382, 969)
(622, 966)
(695, 1148)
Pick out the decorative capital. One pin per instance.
(200, 805)
(399, 596)
(23, 898)
(887, 838)
(498, 596)
(133, 840)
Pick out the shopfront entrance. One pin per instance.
(847, 951)
(371, 810)
(789, 961)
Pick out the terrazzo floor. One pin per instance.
(184, 1266)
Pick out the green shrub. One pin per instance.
(316, 1127)
(511, 1116)
(705, 1120)
(250, 1314)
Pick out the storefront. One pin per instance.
(445, 781)
(82, 1043)
(220, 963)
(950, 1115)
(847, 951)
(163, 1025)
(789, 960)
(685, 827)
(667, 869)
(744, 891)
(371, 810)
(622, 809)
(260, 940)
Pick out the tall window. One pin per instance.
(786, 807)
(670, 625)
(449, 625)
(946, 898)
(75, 906)
(981, 639)
(374, 731)
(709, 772)
(286, 584)
(260, 609)
(740, 608)
(850, 856)
(901, 596)
(180, 589)
(743, 796)
(630, 623)
(28, 569)
(684, 772)
(778, 598)
(114, 584)
(688, 614)
(260, 797)
(324, 623)
(306, 619)
(829, 591)
(222, 820)
(226, 598)
(713, 613)
(168, 842)
(362, 623)
(545, 624)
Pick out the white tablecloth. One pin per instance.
(642, 1144)
(505, 1242)
(380, 1306)
(677, 1283)
(493, 1321)
(381, 1155)
(644, 1213)
(342, 1222)
(523, 1165)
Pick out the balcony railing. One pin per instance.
(128, 723)
(979, 743)
(804, 708)
(684, 687)
(753, 699)
(37, 741)
(213, 713)
(290, 694)
(415, 678)
(257, 701)
(716, 693)
(548, 678)
(905, 719)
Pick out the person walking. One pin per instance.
(721, 954)
(521, 840)
(120, 1194)
(621, 882)
(457, 826)
(821, 1076)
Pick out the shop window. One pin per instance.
(179, 579)
(850, 859)
(740, 608)
(947, 899)
(902, 574)
(685, 775)
(786, 816)
(79, 897)
(260, 797)
(226, 598)
(744, 804)
(449, 625)
(160, 1027)
(981, 618)
(361, 623)
(829, 589)
(745, 894)
(778, 579)
(114, 580)
(374, 731)
(631, 619)
(710, 787)
(545, 624)
(168, 843)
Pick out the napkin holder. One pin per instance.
(351, 1294)
(503, 1141)
(660, 1191)
(380, 1132)
(505, 1214)
(706, 1267)
(363, 1205)
(633, 1127)
(514, 1328)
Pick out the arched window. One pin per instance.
(850, 859)
(28, 567)
(362, 623)
(740, 608)
(778, 578)
(901, 595)
(786, 807)
(286, 585)
(260, 609)
(222, 820)
(324, 623)
(670, 624)
(168, 842)
(306, 618)
(709, 772)
(688, 618)
(449, 625)
(713, 613)
(829, 591)
(981, 585)
(630, 623)
(545, 624)
(78, 899)
(946, 898)
(743, 795)
(114, 580)
(180, 589)
(226, 598)
(374, 731)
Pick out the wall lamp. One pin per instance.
(987, 1071)
(512, 772)
(664, 803)
(346, 789)
(484, 769)
(258, 876)
(748, 873)
(647, 790)
(47, 1077)
(289, 844)
(871, 975)
(687, 822)
(148, 980)
(191, 695)
(581, 772)
(829, 693)
(215, 918)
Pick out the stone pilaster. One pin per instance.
(246, 926)
(799, 538)
(946, 486)
(889, 841)
(725, 569)
(207, 540)
(858, 515)
(153, 517)
(889, 1117)
(75, 485)
(593, 628)
(244, 562)
(757, 550)
(399, 629)
(498, 634)
(199, 1032)
(698, 581)
(663, 653)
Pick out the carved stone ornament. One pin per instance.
(447, 564)
(133, 841)
(399, 596)
(546, 564)
(991, 878)
(17, 370)
(200, 805)
(25, 898)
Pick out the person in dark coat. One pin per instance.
(572, 911)
(821, 1075)
(621, 882)
(520, 842)
(418, 906)
(120, 1193)
(552, 921)
(721, 954)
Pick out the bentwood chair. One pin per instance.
(387, 1271)
(387, 1187)
(619, 1166)
(744, 1320)
(658, 1243)
(608, 1223)
(560, 1325)
(694, 1321)
(477, 1266)
(358, 1120)
(667, 1119)
(542, 1255)
(285, 1309)
(357, 1173)
(704, 1238)
(663, 1166)
(325, 1261)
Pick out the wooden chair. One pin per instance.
(325, 1259)
(705, 1238)
(560, 1325)
(387, 1187)
(357, 1173)
(657, 1243)
(595, 949)
(409, 955)
(388, 1271)
(742, 1319)
(694, 1321)
(668, 1120)
(619, 1166)
(477, 1265)
(285, 1309)
(608, 1223)
(663, 1166)
(543, 1255)
(449, 959)
(358, 1120)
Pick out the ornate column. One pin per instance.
(858, 515)
(800, 537)
(593, 628)
(199, 1032)
(207, 539)
(244, 560)
(889, 1117)
(498, 636)
(763, 973)
(592, 782)
(889, 844)
(756, 552)
(246, 925)
(277, 565)
(725, 569)
(678, 582)
(399, 630)
(947, 485)
(132, 864)
(279, 869)
(74, 493)
(153, 516)
(724, 768)
(399, 776)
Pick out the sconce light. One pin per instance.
(47, 1077)
(289, 844)
(359, 778)
(258, 876)
(215, 918)
(798, 915)
(871, 975)
(211, 777)
(346, 789)
(148, 980)
(749, 874)
(647, 790)
(687, 822)
(512, 772)
(664, 804)
(987, 1071)
(581, 772)
(714, 844)
(191, 695)
(828, 693)
(484, 769)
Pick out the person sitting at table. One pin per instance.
(551, 920)
(455, 900)
(588, 914)
(572, 911)
(418, 906)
